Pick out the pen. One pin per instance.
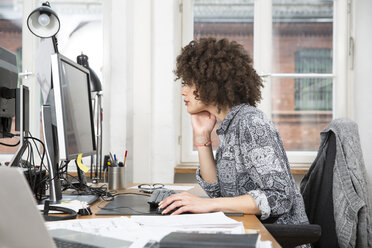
(125, 157)
(115, 157)
(112, 159)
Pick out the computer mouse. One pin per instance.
(160, 211)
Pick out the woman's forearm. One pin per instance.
(238, 204)
(207, 164)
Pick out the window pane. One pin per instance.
(228, 19)
(225, 19)
(11, 39)
(301, 108)
(313, 93)
(302, 43)
(298, 26)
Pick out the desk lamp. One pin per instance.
(44, 23)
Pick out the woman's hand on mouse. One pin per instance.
(186, 202)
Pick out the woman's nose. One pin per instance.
(184, 90)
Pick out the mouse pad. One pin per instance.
(128, 205)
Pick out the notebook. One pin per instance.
(22, 225)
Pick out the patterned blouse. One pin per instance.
(251, 160)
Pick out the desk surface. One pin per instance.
(249, 221)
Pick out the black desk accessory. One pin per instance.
(212, 240)
(71, 214)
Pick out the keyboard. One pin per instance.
(63, 243)
(157, 196)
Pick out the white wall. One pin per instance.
(362, 77)
(140, 100)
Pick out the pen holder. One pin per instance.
(116, 178)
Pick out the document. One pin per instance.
(143, 229)
(218, 219)
(119, 227)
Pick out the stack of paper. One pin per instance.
(142, 229)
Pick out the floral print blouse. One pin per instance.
(251, 160)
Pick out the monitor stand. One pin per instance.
(89, 199)
(51, 147)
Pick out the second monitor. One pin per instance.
(73, 108)
(67, 120)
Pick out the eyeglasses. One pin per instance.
(149, 188)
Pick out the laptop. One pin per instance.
(22, 225)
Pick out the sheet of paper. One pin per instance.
(120, 227)
(171, 187)
(264, 244)
(218, 219)
(140, 229)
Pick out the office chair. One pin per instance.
(321, 231)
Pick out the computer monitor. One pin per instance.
(67, 119)
(8, 85)
(73, 108)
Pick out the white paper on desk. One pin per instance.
(158, 232)
(119, 227)
(171, 187)
(218, 219)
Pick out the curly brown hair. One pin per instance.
(221, 71)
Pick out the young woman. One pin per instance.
(250, 173)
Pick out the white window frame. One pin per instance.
(262, 63)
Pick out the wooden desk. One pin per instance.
(249, 221)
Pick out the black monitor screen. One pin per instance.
(8, 84)
(73, 109)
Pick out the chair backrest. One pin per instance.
(335, 188)
(316, 189)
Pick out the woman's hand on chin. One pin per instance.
(203, 124)
(186, 202)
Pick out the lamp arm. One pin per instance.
(55, 43)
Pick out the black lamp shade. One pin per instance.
(43, 22)
(95, 83)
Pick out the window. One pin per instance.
(293, 45)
